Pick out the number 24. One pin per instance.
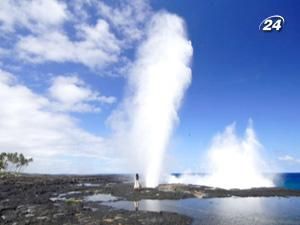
(269, 25)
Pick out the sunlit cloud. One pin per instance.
(72, 94)
(289, 158)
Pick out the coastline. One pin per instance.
(60, 199)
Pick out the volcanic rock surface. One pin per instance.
(37, 199)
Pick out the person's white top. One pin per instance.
(136, 185)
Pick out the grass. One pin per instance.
(73, 201)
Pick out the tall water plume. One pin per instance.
(157, 82)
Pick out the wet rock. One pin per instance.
(42, 218)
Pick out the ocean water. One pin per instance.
(288, 180)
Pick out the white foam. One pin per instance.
(234, 162)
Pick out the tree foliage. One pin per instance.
(13, 162)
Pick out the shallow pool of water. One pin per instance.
(221, 211)
(63, 196)
(88, 185)
(101, 198)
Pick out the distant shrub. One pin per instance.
(13, 162)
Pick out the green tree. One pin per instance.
(3, 161)
(22, 161)
(13, 162)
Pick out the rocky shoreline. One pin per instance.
(45, 199)
(31, 200)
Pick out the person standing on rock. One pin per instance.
(136, 205)
(137, 185)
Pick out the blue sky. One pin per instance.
(238, 73)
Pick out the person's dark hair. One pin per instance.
(137, 176)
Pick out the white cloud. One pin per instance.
(28, 126)
(6, 77)
(94, 44)
(289, 158)
(128, 18)
(35, 15)
(72, 94)
(97, 47)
